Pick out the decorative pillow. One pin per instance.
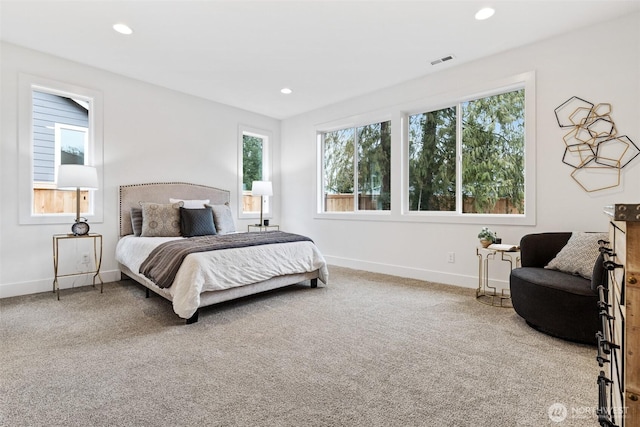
(223, 219)
(160, 220)
(579, 254)
(190, 204)
(136, 221)
(197, 222)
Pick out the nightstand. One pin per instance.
(257, 227)
(97, 258)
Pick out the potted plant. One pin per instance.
(486, 237)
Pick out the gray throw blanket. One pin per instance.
(162, 264)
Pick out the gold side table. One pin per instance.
(97, 259)
(485, 293)
(262, 227)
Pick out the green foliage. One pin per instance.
(493, 151)
(492, 156)
(373, 181)
(487, 234)
(432, 161)
(251, 160)
(338, 161)
(374, 165)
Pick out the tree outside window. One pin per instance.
(491, 157)
(254, 167)
(357, 158)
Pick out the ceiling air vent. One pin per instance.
(443, 59)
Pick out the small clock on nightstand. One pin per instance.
(80, 227)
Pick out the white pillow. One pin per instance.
(190, 204)
(579, 254)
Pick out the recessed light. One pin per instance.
(123, 29)
(285, 90)
(485, 13)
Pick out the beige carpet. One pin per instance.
(366, 350)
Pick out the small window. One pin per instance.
(254, 166)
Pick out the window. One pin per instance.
(60, 136)
(254, 166)
(59, 124)
(356, 168)
(488, 175)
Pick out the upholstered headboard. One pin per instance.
(161, 192)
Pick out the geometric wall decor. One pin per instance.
(592, 146)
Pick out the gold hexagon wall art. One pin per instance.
(593, 149)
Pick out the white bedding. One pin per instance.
(223, 269)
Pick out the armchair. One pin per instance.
(557, 303)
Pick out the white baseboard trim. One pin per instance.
(8, 290)
(461, 280)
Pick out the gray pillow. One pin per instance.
(160, 220)
(136, 221)
(197, 222)
(579, 255)
(223, 219)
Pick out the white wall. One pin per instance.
(150, 135)
(154, 134)
(600, 64)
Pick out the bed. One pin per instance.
(260, 262)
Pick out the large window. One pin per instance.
(356, 168)
(254, 166)
(59, 124)
(469, 158)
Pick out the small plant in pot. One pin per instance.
(486, 237)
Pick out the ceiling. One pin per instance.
(241, 53)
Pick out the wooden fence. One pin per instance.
(47, 200)
(344, 203)
(250, 203)
(59, 201)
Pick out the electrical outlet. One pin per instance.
(86, 259)
(451, 257)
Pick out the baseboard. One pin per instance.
(8, 290)
(461, 280)
(466, 281)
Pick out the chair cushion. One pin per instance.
(554, 279)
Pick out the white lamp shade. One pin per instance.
(261, 188)
(71, 177)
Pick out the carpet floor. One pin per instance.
(364, 350)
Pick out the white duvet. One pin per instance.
(223, 269)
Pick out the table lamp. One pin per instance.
(77, 177)
(261, 188)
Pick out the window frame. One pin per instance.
(266, 137)
(355, 123)
(27, 84)
(399, 115)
